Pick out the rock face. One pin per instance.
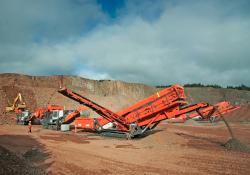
(42, 90)
(39, 91)
(213, 95)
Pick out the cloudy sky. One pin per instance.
(148, 41)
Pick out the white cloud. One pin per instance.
(94, 75)
(186, 42)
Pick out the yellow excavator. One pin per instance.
(18, 104)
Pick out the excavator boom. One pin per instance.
(17, 105)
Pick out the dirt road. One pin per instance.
(171, 149)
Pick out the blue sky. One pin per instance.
(146, 41)
(111, 7)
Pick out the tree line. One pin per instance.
(240, 87)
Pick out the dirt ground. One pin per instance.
(170, 149)
(187, 148)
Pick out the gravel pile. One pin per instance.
(12, 164)
(234, 144)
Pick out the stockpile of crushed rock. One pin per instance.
(235, 144)
(10, 163)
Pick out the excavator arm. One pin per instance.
(18, 104)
